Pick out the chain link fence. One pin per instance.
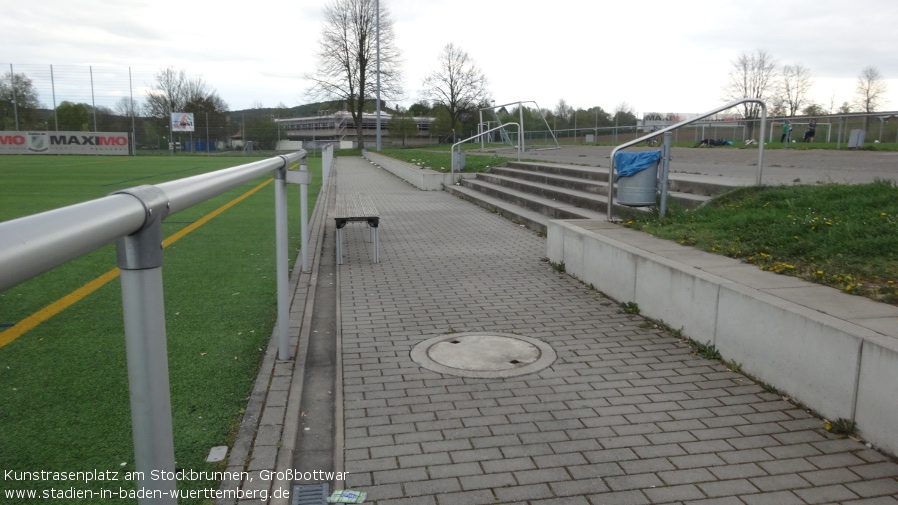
(41, 98)
(836, 129)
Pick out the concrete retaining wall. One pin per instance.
(834, 352)
(421, 178)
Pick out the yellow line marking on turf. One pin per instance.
(70, 299)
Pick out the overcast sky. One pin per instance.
(657, 56)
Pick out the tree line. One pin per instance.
(172, 90)
(786, 87)
(456, 89)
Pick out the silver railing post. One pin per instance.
(140, 260)
(283, 276)
(304, 214)
(665, 170)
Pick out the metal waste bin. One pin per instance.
(637, 180)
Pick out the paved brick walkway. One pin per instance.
(625, 415)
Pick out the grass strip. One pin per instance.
(844, 236)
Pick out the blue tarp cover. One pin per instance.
(628, 164)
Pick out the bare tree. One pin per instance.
(167, 93)
(173, 91)
(796, 83)
(870, 91)
(753, 76)
(347, 57)
(126, 107)
(624, 114)
(458, 84)
(562, 110)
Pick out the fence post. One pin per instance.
(140, 260)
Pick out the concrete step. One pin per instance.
(562, 181)
(533, 193)
(531, 210)
(515, 213)
(590, 195)
(580, 172)
(679, 182)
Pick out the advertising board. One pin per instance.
(44, 142)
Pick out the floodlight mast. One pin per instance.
(377, 6)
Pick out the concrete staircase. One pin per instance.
(532, 193)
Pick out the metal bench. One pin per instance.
(351, 208)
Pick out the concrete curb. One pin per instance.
(267, 433)
(421, 178)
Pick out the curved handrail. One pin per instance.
(452, 163)
(684, 123)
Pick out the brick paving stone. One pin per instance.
(479, 497)
(884, 500)
(826, 494)
(432, 486)
(531, 492)
(625, 406)
(728, 500)
(876, 470)
(735, 487)
(627, 482)
(776, 498)
(570, 500)
(673, 493)
(878, 487)
(487, 481)
(779, 482)
(580, 487)
(455, 470)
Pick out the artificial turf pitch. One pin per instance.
(64, 404)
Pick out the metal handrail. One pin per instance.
(684, 123)
(132, 218)
(481, 134)
(32, 245)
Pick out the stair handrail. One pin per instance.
(452, 161)
(680, 125)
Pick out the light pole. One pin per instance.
(377, 6)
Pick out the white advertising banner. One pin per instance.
(182, 121)
(108, 143)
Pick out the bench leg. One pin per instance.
(339, 238)
(375, 241)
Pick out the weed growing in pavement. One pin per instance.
(706, 350)
(630, 307)
(841, 426)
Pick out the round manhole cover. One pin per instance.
(483, 355)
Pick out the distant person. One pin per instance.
(787, 132)
(812, 130)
